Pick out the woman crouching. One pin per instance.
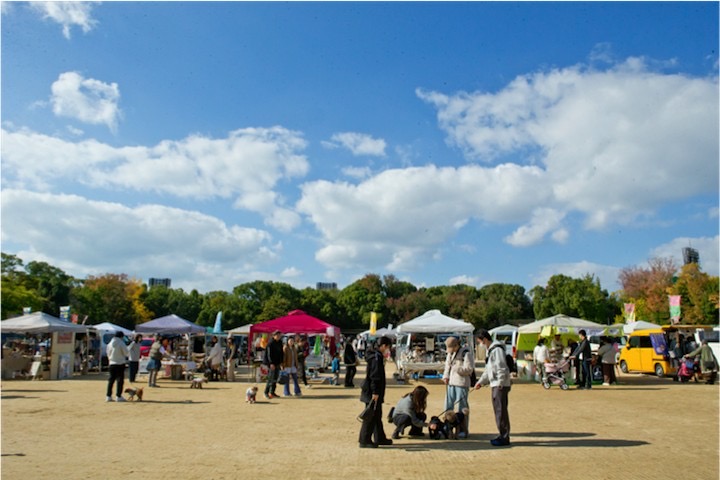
(410, 412)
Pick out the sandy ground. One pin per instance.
(645, 428)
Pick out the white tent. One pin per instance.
(107, 327)
(40, 322)
(563, 323)
(503, 328)
(433, 321)
(242, 330)
(630, 327)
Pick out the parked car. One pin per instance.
(145, 345)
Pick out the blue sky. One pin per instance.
(443, 143)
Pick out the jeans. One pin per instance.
(272, 379)
(586, 379)
(134, 366)
(350, 371)
(286, 388)
(500, 407)
(458, 397)
(402, 421)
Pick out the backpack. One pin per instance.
(473, 376)
(509, 360)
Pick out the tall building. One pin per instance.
(159, 281)
(326, 286)
(690, 255)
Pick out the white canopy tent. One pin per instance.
(432, 328)
(107, 327)
(630, 327)
(242, 330)
(40, 322)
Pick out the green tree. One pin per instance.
(108, 298)
(51, 283)
(698, 292)
(362, 297)
(499, 303)
(576, 297)
(323, 305)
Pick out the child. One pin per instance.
(250, 394)
(335, 369)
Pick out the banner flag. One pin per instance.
(373, 323)
(674, 308)
(629, 312)
(65, 313)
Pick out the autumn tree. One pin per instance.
(648, 288)
(110, 298)
(698, 291)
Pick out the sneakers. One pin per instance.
(462, 435)
(108, 399)
(267, 397)
(395, 435)
(606, 384)
(500, 442)
(120, 399)
(387, 441)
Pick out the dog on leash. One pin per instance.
(251, 394)
(437, 428)
(198, 382)
(455, 423)
(134, 393)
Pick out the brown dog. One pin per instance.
(134, 393)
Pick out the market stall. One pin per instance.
(55, 342)
(420, 346)
(182, 365)
(566, 326)
(295, 322)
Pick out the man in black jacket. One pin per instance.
(350, 361)
(584, 355)
(273, 359)
(372, 433)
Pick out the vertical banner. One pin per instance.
(373, 323)
(65, 313)
(218, 321)
(27, 310)
(629, 312)
(674, 308)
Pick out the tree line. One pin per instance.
(126, 301)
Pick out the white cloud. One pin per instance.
(357, 172)
(247, 165)
(291, 272)
(85, 237)
(543, 221)
(358, 143)
(708, 248)
(86, 99)
(614, 144)
(67, 14)
(464, 280)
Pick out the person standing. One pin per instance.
(230, 358)
(350, 361)
(215, 358)
(584, 355)
(273, 359)
(497, 375)
(303, 351)
(606, 354)
(117, 353)
(372, 394)
(134, 357)
(541, 356)
(158, 350)
(290, 366)
(459, 366)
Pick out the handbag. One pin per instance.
(367, 412)
(283, 378)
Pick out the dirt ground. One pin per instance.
(645, 428)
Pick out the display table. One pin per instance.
(179, 369)
(406, 369)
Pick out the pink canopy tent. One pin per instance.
(296, 321)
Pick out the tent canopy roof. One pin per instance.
(296, 321)
(503, 328)
(111, 327)
(242, 330)
(39, 322)
(560, 320)
(169, 325)
(433, 321)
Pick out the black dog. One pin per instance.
(437, 429)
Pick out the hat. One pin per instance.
(277, 332)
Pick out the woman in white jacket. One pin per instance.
(497, 375)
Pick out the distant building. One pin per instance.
(326, 286)
(690, 255)
(153, 282)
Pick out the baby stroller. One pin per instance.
(556, 374)
(686, 370)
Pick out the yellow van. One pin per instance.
(648, 351)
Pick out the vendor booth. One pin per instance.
(566, 326)
(420, 346)
(54, 357)
(295, 322)
(183, 365)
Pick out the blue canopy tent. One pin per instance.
(169, 325)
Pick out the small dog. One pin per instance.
(198, 382)
(250, 394)
(134, 392)
(455, 424)
(437, 428)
